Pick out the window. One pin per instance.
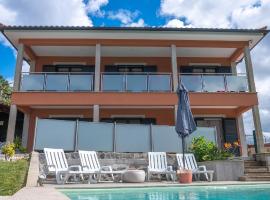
(130, 120)
(68, 68)
(130, 68)
(205, 69)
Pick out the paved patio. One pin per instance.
(50, 191)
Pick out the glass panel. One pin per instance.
(137, 83)
(159, 83)
(80, 82)
(208, 132)
(113, 82)
(237, 83)
(95, 136)
(214, 83)
(56, 82)
(132, 138)
(55, 134)
(32, 82)
(192, 82)
(166, 139)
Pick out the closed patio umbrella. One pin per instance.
(185, 123)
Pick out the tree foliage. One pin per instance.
(5, 91)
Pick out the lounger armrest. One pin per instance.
(75, 168)
(47, 166)
(106, 168)
(170, 168)
(202, 168)
(85, 167)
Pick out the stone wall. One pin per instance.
(118, 161)
(225, 170)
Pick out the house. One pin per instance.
(130, 75)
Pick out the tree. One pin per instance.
(5, 91)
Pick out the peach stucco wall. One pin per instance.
(163, 63)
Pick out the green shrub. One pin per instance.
(205, 150)
(18, 145)
(8, 150)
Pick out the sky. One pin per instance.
(155, 13)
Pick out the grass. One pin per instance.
(12, 176)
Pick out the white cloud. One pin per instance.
(45, 12)
(209, 13)
(176, 23)
(231, 14)
(7, 16)
(123, 15)
(94, 6)
(139, 23)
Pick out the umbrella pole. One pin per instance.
(183, 151)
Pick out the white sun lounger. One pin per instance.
(191, 164)
(157, 164)
(57, 165)
(90, 163)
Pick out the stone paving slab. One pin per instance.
(39, 193)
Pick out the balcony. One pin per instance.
(215, 82)
(136, 82)
(58, 82)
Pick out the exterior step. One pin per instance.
(254, 178)
(259, 169)
(250, 163)
(258, 174)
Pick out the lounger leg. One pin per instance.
(148, 176)
(210, 177)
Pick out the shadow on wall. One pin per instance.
(4, 115)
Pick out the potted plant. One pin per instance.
(184, 176)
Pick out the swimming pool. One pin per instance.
(233, 192)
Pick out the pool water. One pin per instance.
(233, 192)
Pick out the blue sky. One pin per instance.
(169, 13)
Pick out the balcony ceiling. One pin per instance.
(117, 51)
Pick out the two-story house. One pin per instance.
(130, 75)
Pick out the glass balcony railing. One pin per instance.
(136, 82)
(57, 82)
(215, 82)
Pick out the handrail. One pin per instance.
(60, 73)
(214, 74)
(135, 73)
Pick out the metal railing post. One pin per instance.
(225, 83)
(68, 83)
(76, 136)
(114, 137)
(202, 84)
(151, 138)
(45, 82)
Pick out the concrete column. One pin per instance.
(16, 85)
(11, 123)
(97, 67)
(18, 69)
(96, 113)
(255, 108)
(242, 135)
(25, 129)
(233, 67)
(32, 65)
(174, 67)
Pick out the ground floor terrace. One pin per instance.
(224, 125)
